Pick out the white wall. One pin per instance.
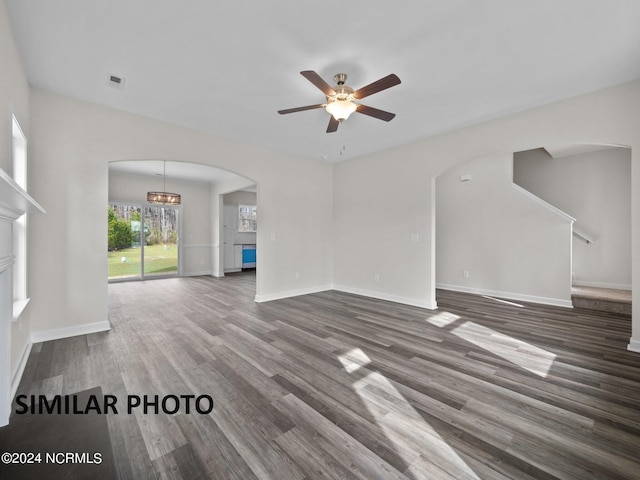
(240, 197)
(14, 90)
(379, 205)
(73, 141)
(595, 189)
(381, 198)
(195, 212)
(509, 245)
(14, 99)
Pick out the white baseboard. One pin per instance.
(556, 302)
(390, 298)
(217, 274)
(197, 274)
(291, 293)
(634, 345)
(356, 291)
(64, 332)
(17, 375)
(615, 286)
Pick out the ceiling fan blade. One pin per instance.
(333, 125)
(387, 82)
(375, 112)
(300, 109)
(317, 80)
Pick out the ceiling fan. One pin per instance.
(341, 98)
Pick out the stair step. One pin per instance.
(602, 299)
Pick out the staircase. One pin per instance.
(602, 299)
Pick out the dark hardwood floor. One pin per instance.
(336, 386)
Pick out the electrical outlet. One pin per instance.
(465, 273)
(376, 277)
(297, 275)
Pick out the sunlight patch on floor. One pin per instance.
(527, 356)
(513, 304)
(442, 319)
(411, 437)
(354, 359)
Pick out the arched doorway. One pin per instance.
(493, 240)
(177, 240)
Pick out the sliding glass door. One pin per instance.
(161, 249)
(143, 241)
(124, 238)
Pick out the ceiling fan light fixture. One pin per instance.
(341, 98)
(341, 109)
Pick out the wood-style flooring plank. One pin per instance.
(339, 386)
(305, 417)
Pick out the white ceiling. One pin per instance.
(227, 67)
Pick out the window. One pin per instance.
(247, 216)
(19, 161)
(143, 241)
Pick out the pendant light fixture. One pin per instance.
(164, 197)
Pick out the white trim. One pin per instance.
(17, 375)
(355, 291)
(64, 332)
(197, 274)
(291, 293)
(6, 262)
(15, 198)
(217, 274)
(18, 307)
(8, 214)
(556, 302)
(389, 298)
(634, 345)
(541, 202)
(583, 236)
(614, 286)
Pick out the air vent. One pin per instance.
(116, 82)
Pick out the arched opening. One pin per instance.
(157, 241)
(591, 183)
(522, 226)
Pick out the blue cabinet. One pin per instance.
(248, 256)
